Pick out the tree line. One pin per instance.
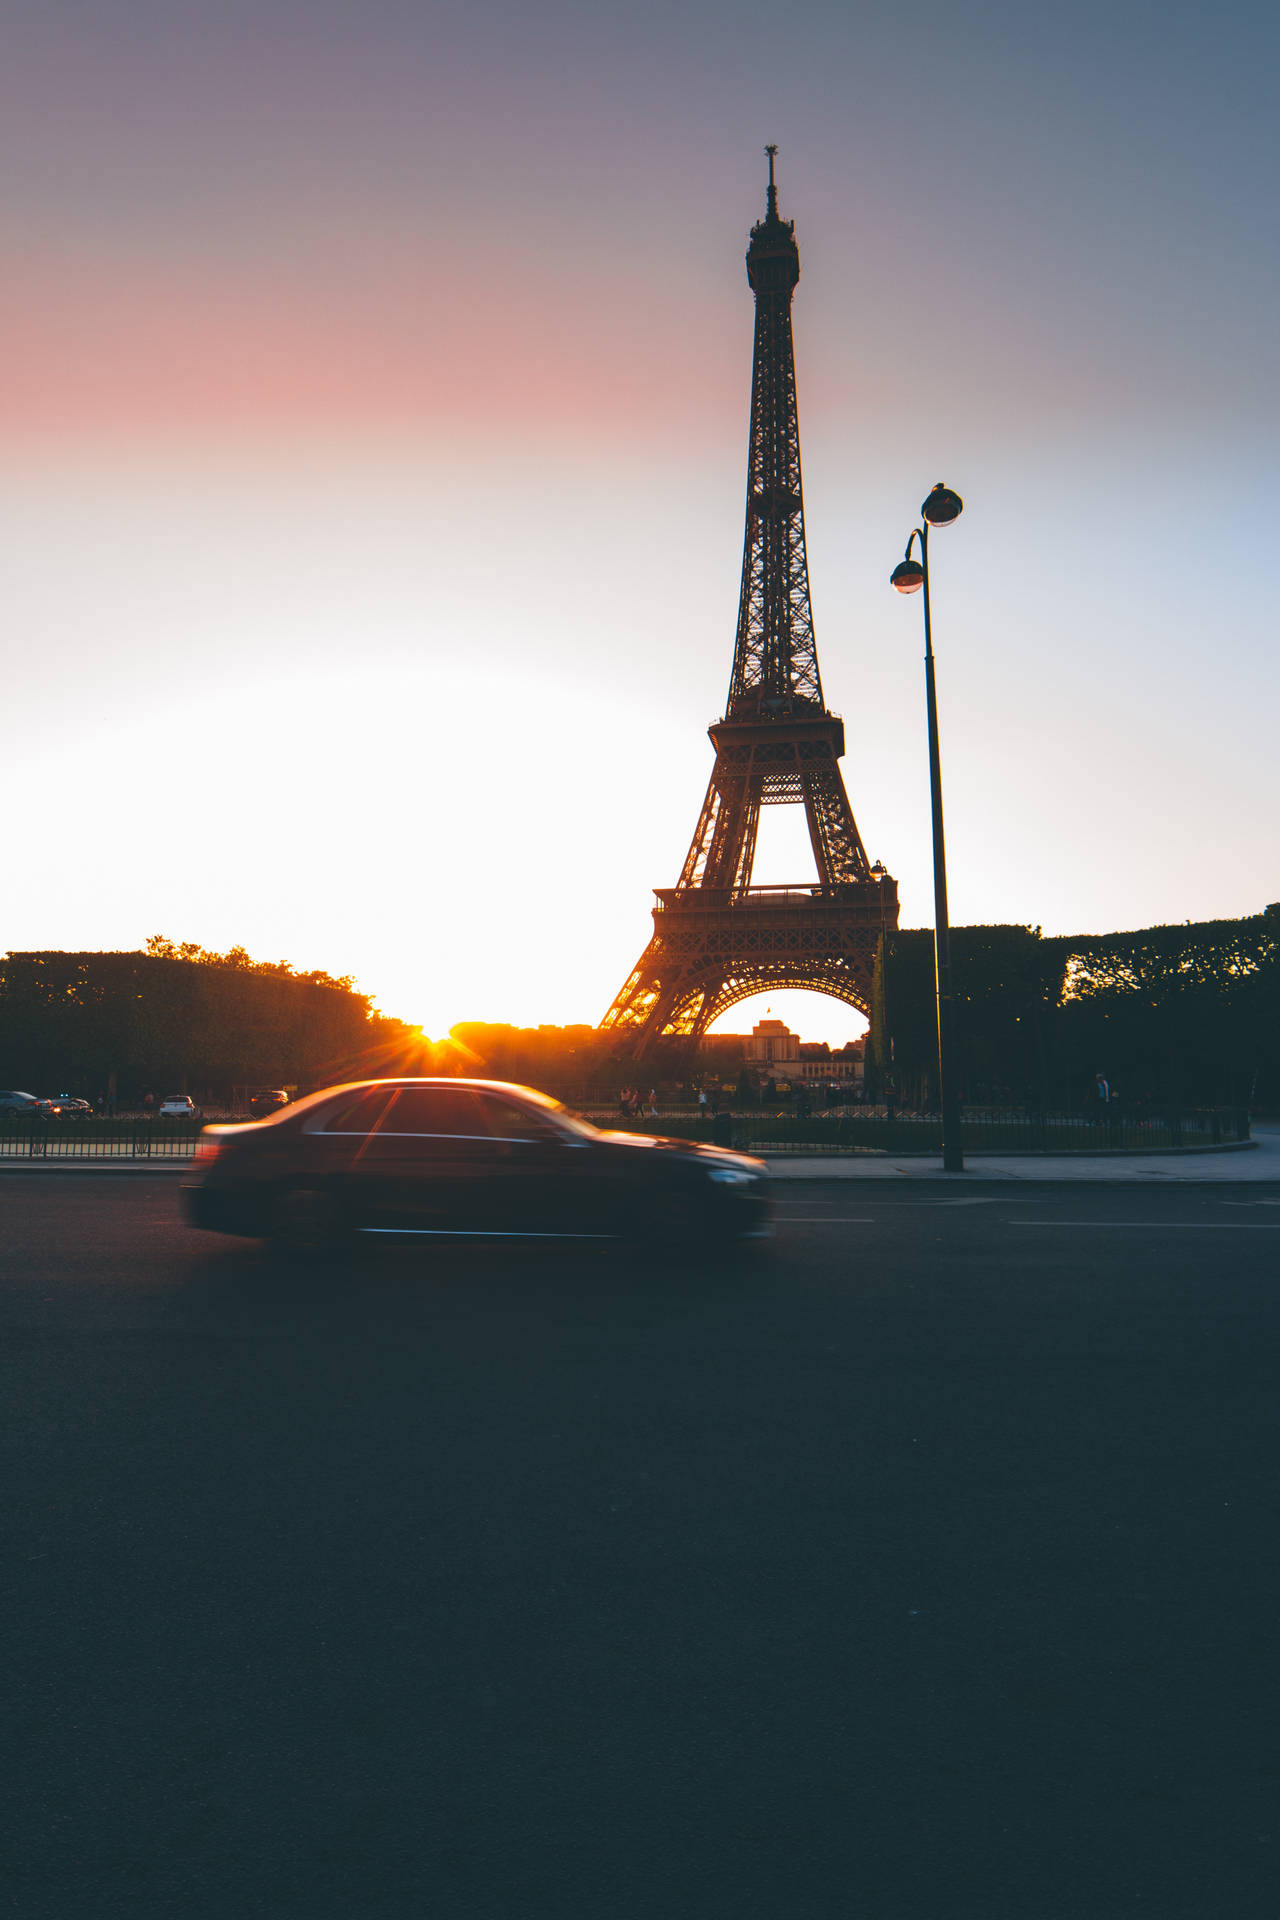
(1187, 1014)
(184, 1019)
(1184, 1014)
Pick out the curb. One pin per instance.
(912, 1176)
(1030, 1154)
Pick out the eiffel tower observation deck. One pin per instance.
(718, 939)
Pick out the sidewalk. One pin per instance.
(1259, 1160)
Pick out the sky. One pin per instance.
(374, 382)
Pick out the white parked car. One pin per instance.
(178, 1106)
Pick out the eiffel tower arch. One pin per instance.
(718, 939)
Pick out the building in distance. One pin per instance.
(775, 1050)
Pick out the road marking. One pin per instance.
(904, 1206)
(483, 1233)
(1172, 1226)
(992, 1200)
(822, 1220)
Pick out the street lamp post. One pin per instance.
(940, 509)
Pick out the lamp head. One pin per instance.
(907, 576)
(942, 506)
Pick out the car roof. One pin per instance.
(420, 1080)
(451, 1080)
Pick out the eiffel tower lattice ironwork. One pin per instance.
(716, 938)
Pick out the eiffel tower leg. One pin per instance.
(837, 845)
(695, 861)
(701, 1015)
(750, 827)
(665, 999)
(641, 996)
(733, 841)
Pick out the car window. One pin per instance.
(565, 1119)
(438, 1110)
(507, 1120)
(361, 1114)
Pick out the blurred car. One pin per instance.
(71, 1106)
(12, 1102)
(461, 1157)
(177, 1106)
(267, 1100)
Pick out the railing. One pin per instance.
(784, 896)
(866, 1130)
(864, 902)
(115, 1140)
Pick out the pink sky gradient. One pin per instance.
(376, 384)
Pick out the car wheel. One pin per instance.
(307, 1223)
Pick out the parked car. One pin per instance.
(461, 1157)
(12, 1102)
(267, 1100)
(177, 1106)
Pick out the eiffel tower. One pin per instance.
(716, 938)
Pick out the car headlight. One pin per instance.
(730, 1177)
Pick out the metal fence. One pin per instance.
(118, 1140)
(865, 1130)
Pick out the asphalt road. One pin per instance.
(923, 1565)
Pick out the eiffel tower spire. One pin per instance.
(775, 659)
(717, 939)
